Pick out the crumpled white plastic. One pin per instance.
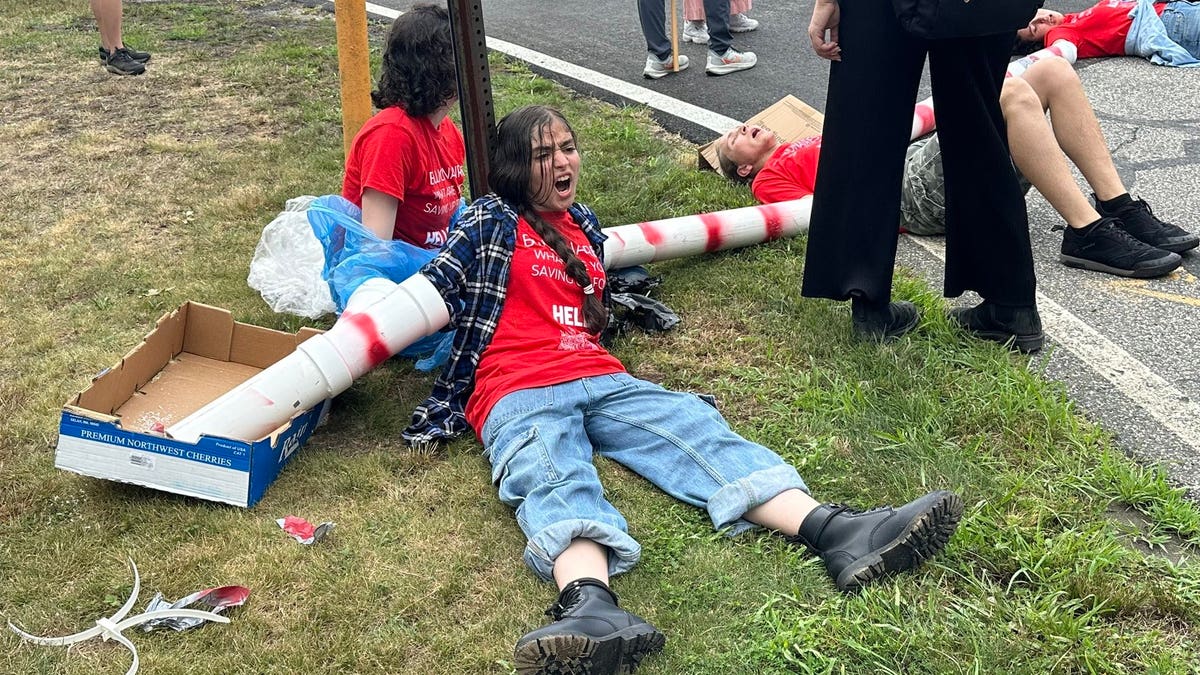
(287, 263)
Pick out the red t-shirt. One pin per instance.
(1099, 30)
(409, 159)
(541, 338)
(790, 173)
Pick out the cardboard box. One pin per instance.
(790, 118)
(113, 429)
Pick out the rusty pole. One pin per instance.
(354, 67)
(474, 89)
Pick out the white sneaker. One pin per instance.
(655, 69)
(740, 23)
(731, 62)
(695, 31)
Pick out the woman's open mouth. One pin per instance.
(562, 185)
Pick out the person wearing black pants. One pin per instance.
(873, 83)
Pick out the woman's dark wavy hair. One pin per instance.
(510, 176)
(1026, 47)
(418, 71)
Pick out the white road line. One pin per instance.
(712, 121)
(1159, 398)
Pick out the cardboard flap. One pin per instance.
(259, 347)
(209, 331)
(790, 118)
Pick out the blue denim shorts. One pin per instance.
(540, 443)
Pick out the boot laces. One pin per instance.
(566, 600)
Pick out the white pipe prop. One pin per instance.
(387, 318)
(383, 318)
(641, 243)
(923, 119)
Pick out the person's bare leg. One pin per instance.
(1075, 125)
(1035, 151)
(784, 512)
(108, 17)
(583, 558)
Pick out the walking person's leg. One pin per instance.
(722, 57)
(653, 16)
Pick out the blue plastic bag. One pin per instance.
(354, 254)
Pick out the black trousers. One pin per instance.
(868, 119)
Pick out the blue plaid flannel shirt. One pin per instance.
(472, 274)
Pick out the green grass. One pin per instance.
(124, 197)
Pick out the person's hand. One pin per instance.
(826, 16)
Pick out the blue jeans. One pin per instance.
(540, 443)
(1182, 20)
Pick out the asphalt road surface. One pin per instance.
(1123, 348)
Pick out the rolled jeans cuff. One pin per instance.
(544, 547)
(728, 504)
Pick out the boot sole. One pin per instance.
(1169, 264)
(622, 652)
(693, 40)
(924, 537)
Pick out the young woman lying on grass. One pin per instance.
(1167, 33)
(524, 283)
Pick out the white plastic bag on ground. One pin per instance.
(287, 264)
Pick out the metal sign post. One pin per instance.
(474, 89)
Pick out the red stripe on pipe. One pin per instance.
(774, 221)
(712, 227)
(652, 234)
(925, 113)
(377, 351)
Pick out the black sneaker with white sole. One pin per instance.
(590, 635)
(1104, 246)
(1139, 221)
(859, 547)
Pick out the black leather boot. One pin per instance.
(860, 547)
(590, 635)
(1019, 327)
(882, 321)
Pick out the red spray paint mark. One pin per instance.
(653, 236)
(925, 114)
(712, 226)
(1055, 49)
(377, 351)
(773, 219)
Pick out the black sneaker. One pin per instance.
(1138, 220)
(121, 63)
(861, 547)
(1105, 247)
(880, 322)
(1019, 326)
(590, 635)
(140, 57)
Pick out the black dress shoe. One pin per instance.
(861, 547)
(590, 635)
(882, 322)
(1020, 327)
